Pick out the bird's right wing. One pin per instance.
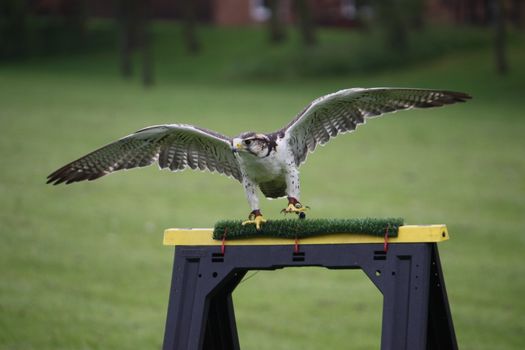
(173, 146)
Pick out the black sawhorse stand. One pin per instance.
(416, 313)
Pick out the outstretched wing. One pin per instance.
(343, 111)
(173, 146)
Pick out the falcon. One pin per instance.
(269, 162)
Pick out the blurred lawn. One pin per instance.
(83, 267)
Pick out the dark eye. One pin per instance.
(248, 142)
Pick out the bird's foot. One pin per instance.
(256, 218)
(294, 206)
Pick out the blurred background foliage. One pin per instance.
(82, 266)
(372, 34)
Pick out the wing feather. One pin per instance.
(342, 111)
(173, 146)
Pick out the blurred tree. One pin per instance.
(189, 15)
(144, 40)
(415, 13)
(392, 24)
(126, 17)
(478, 12)
(134, 32)
(75, 12)
(500, 36)
(364, 15)
(13, 28)
(515, 12)
(277, 32)
(306, 23)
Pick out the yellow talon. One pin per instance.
(297, 208)
(258, 221)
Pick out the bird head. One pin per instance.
(258, 145)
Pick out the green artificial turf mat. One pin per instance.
(295, 228)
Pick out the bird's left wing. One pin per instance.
(342, 111)
(173, 146)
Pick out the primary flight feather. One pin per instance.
(269, 162)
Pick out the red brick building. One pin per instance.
(220, 12)
(247, 12)
(243, 12)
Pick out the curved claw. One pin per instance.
(297, 208)
(257, 220)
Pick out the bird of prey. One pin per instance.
(269, 162)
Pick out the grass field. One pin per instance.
(82, 266)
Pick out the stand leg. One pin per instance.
(200, 310)
(186, 307)
(405, 299)
(441, 334)
(221, 329)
